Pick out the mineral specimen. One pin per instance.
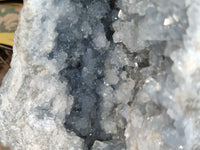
(104, 75)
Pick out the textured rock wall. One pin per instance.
(33, 101)
(103, 75)
(168, 117)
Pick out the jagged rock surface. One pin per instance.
(33, 100)
(116, 74)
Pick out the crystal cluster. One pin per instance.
(104, 75)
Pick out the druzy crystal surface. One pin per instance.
(104, 75)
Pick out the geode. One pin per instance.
(103, 75)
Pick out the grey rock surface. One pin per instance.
(34, 102)
(104, 75)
